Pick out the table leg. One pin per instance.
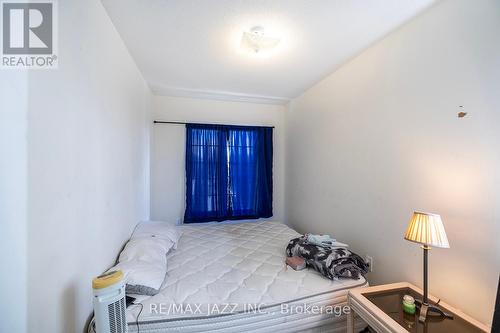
(350, 322)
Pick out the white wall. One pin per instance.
(13, 200)
(88, 132)
(168, 179)
(380, 137)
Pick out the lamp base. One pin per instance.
(431, 310)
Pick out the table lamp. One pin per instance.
(427, 229)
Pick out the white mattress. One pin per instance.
(233, 278)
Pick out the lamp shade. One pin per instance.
(427, 229)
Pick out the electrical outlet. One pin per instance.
(369, 261)
(178, 221)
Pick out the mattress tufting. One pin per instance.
(221, 273)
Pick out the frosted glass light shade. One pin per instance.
(256, 40)
(427, 229)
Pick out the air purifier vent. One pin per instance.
(112, 320)
(117, 316)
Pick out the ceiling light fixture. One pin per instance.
(256, 40)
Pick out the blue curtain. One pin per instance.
(228, 173)
(206, 174)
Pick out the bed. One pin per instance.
(232, 277)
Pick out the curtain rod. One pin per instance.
(185, 123)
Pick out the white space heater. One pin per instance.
(109, 303)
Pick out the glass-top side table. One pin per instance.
(381, 308)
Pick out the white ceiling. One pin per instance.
(191, 47)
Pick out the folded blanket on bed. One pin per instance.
(324, 240)
(320, 240)
(332, 263)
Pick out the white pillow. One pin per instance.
(150, 249)
(144, 258)
(163, 230)
(142, 278)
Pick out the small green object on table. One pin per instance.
(409, 304)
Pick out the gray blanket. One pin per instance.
(332, 263)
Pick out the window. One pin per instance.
(228, 173)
